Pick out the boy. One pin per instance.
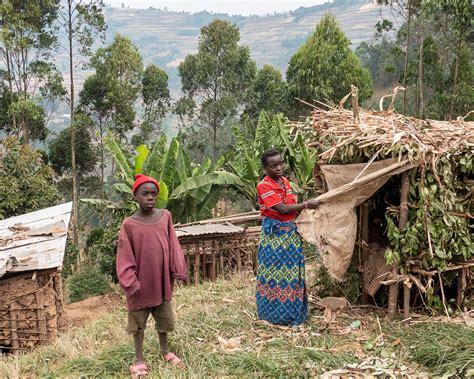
(149, 259)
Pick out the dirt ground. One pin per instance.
(81, 312)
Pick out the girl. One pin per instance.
(281, 290)
(149, 259)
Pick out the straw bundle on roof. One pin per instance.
(387, 132)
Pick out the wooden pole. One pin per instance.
(365, 250)
(239, 258)
(39, 296)
(188, 266)
(461, 286)
(221, 259)
(13, 327)
(196, 263)
(204, 261)
(402, 221)
(213, 261)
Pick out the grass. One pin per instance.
(226, 309)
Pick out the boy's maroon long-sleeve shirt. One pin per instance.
(149, 258)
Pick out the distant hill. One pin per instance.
(165, 38)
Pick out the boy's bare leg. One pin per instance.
(169, 357)
(163, 337)
(138, 340)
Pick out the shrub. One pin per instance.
(101, 251)
(88, 281)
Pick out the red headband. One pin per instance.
(140, 179)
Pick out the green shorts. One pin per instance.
(163, 315)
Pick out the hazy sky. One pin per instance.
(243, 7)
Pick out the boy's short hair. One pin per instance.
(267, 154)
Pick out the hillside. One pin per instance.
(165, 38)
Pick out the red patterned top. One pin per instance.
(271, 194)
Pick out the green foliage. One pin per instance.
(60, 148)
(71, 255)
(350, 289)
(26, 183)
(215, 79)
(324, 68)
(101, 251)
(267, 93)
(271, 131)
(437, 217)
(156, 101)
(30, 120)
(87, 22)
(439, 70)
(27, 38)
(110, 94)
(86, 282)
(455, 99)
(189, 192)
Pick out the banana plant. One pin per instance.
(271, 131)
(189, 191)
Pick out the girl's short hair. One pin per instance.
(267, 154)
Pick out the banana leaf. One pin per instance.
(219, 178)
(168, 168)
(142, 154)
(154, 158)
(122, 163)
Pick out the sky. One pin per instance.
(242, 7)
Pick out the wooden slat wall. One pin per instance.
(209, 257)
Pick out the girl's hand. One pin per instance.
(313, 204)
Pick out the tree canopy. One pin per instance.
(215, 79)
(324, 68)
(26, 182)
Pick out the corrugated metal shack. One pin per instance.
(214, 247)
(31, 256)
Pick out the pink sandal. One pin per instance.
(174, 360)
(139, 370)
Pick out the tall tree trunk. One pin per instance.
(407, 52)
(75, 206)
(10, 83)
(102, 160)
(9, 70)
(214, 140)
(421, 104)
(456, 73)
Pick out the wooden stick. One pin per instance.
(188, 267)
(442, 294)
(204, 266)
(13, 327)
(213, 261)
(402, 221)
(365, 251)
(221, 259)
(196, 263)
(449, 268)
(461, 287)
(39, 296)
(406, 300)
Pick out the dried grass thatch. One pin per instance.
(386, 132)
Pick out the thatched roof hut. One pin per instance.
(415, 176)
